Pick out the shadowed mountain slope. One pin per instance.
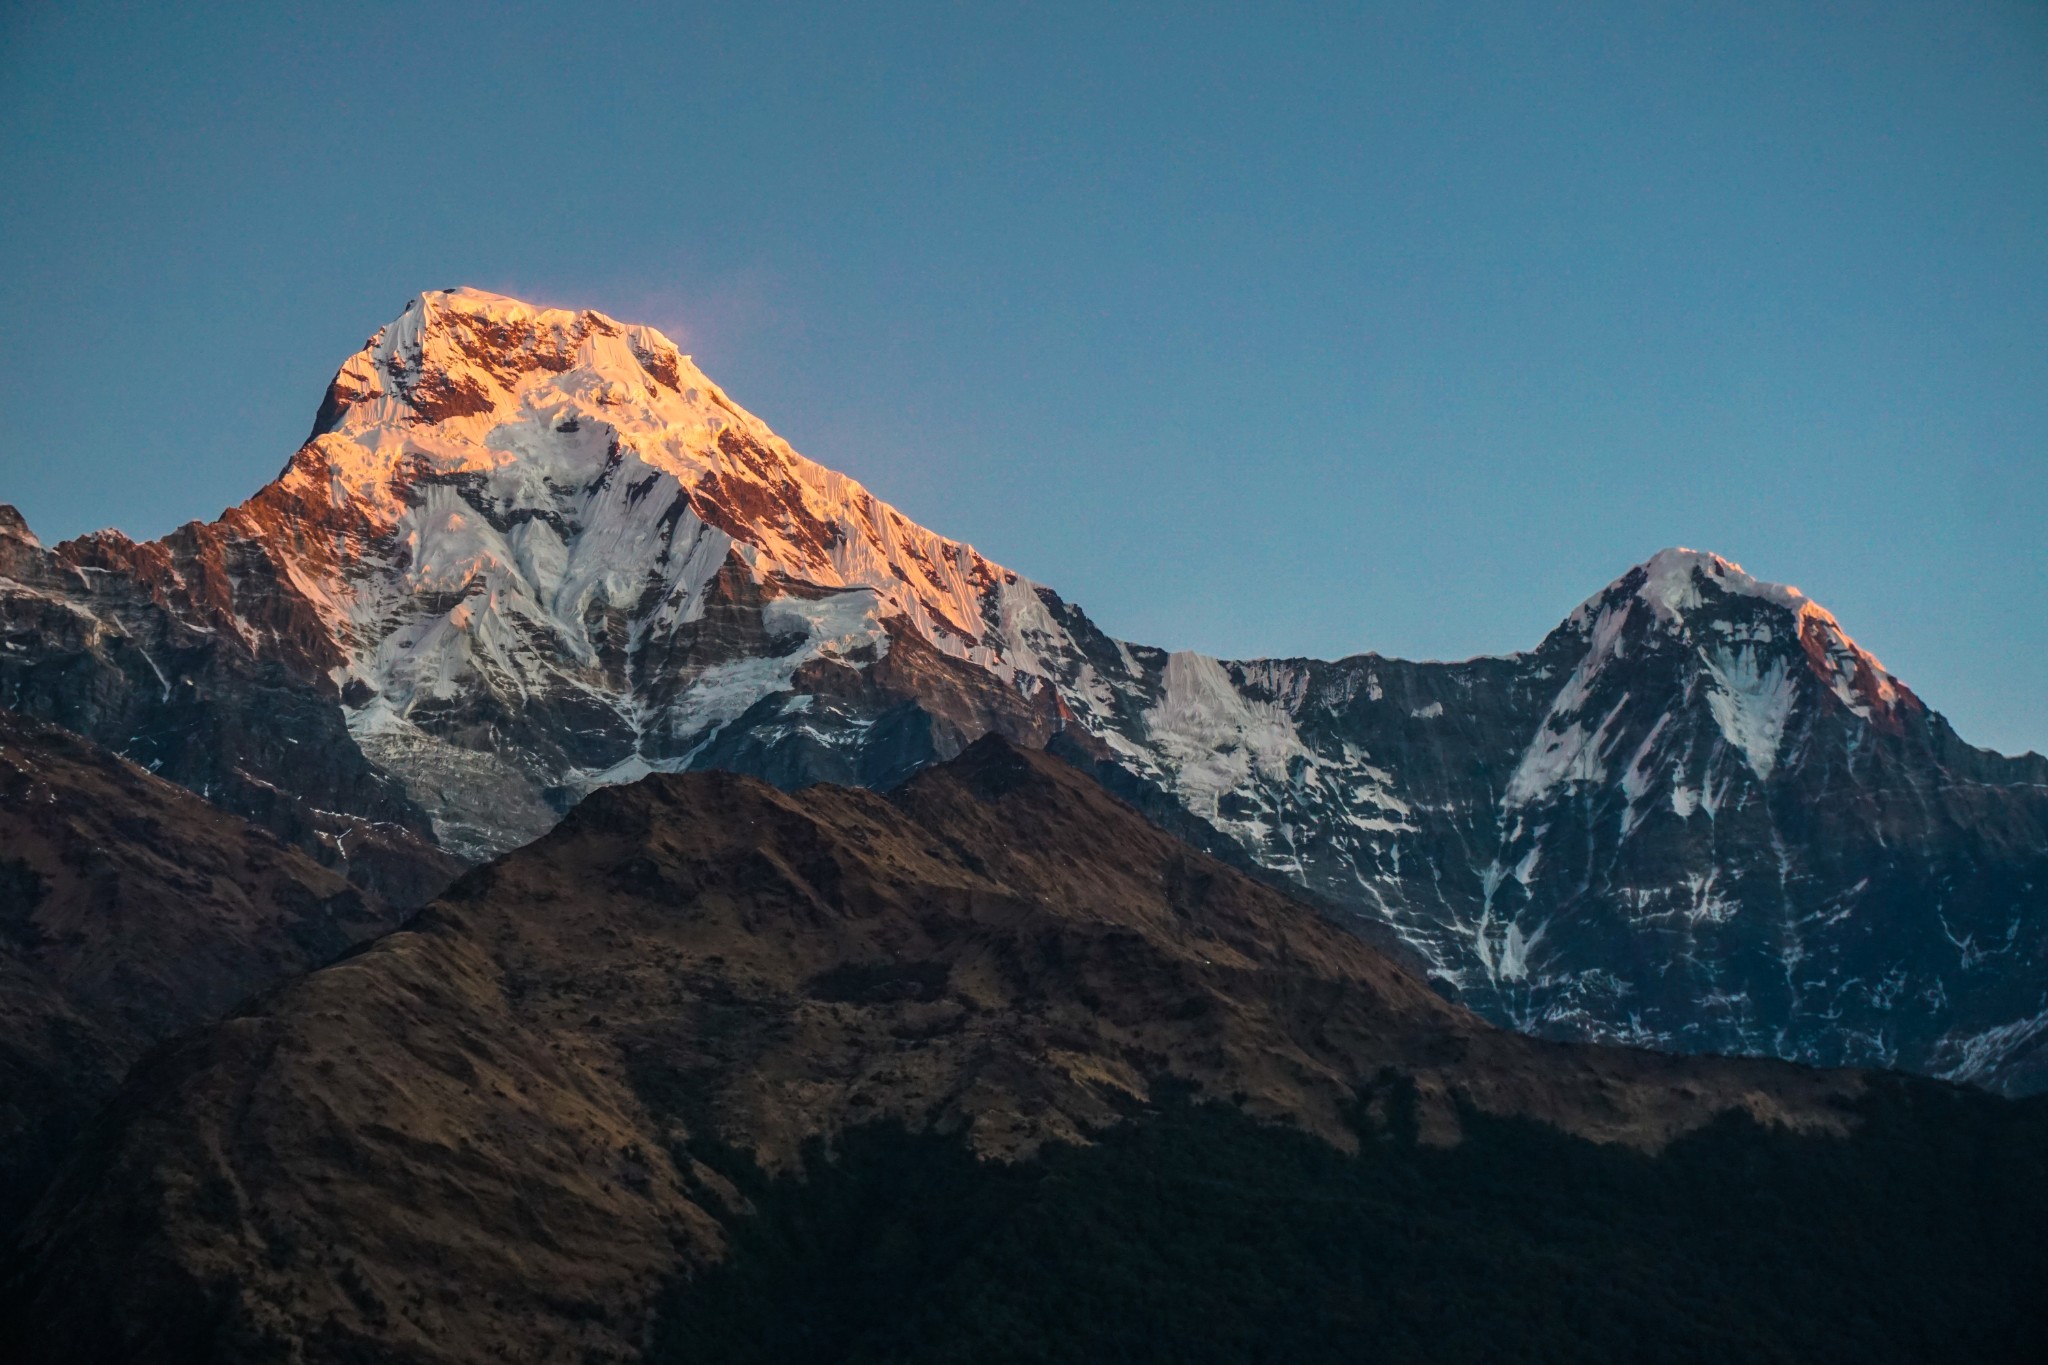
(486, 1136)
(131, 911)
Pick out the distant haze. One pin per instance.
(1256, 330)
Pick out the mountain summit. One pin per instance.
(529, 553)
(553, 555)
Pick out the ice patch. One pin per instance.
(1239, 761)
(1515, 950)
(1504, 957)
(1751, 701)
(839, 623)
(1216, 739)
(1640, 773)
(1705, 904)
(1978, 1055)
(832, 626)
(1560, 757)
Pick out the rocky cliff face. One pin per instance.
(195, 657)
(530, 553)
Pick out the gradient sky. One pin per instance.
(1254, 329)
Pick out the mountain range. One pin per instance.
(528, 554)
(558, 877)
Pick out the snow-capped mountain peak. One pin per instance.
(528, 552)
(1733, 618)
(1673, 579)
(574, 423)
(1676, 582)
(465, 382)
(516, 502)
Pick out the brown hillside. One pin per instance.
(457, 1145)
(131, 910)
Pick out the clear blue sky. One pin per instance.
(1256, 329)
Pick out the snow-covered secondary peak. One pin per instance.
(1673, 578)
(1751, 651)
(1676, 582)
(1700, 596)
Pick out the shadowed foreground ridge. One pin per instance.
(130, 911)
(524, 1127)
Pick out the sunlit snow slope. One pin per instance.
(556, 555)
(527, 552)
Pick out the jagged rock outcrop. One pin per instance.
(196, 657)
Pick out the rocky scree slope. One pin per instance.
(130, 911)
(528, 553)
(480, 1139)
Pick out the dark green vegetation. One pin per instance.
(1201, 1235)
